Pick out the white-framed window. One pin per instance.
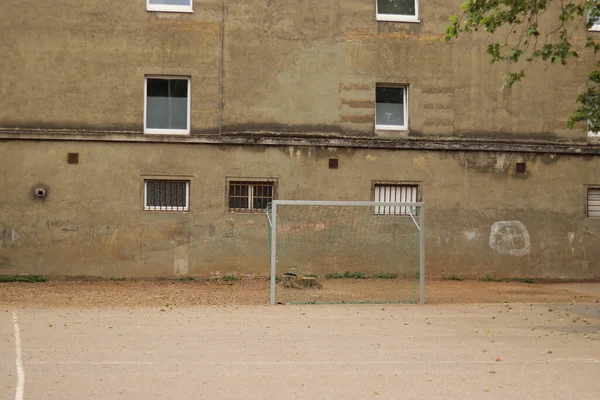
(395, 193)
(591, 133)
(593, 202)
(170, 5)
(167, 105)
(398, 10)
(253, 196)
(391, 107)
(166, 195)
(592, 124)
(595, 22)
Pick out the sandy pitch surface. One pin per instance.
(219, 340)
(256, 292)
(476, 351)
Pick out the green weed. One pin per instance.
(231, 278)
(488, 278)
(346, 275)
(385, 276)
(190, 279)
(452, 278)
(23, 278)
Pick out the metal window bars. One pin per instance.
(166, 195)
(395, 194)
(250, 196)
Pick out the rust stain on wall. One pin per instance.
(209, 28)
(355, 86)
(356, 34)
(359, 103)
(357, 118)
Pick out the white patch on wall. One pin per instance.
(181, 267)
(500, 162)
(420, 161)
(470, 235)
(181, 264)
(510, 238)
(571, 236)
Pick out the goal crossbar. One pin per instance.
(272, 219)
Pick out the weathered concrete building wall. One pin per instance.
(302, 67)
(93, 223)
(80, 65)
(278, 88)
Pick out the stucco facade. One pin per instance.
(276, 90)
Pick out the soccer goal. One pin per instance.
(346, 252)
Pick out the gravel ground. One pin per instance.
(255, 291)
(516, 351)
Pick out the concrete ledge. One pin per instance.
(313, 140)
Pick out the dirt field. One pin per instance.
(256, 292)
(167, 339)
(451, 352)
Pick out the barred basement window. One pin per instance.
(163, 195)
(395, 193)
(250, 196)
(593, 202)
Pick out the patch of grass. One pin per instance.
(311, 275)
(190, 279)
(231, 278)
(488, 278)
(347, 275)
(385, 276)
(114, 278)
(418, 275)
(527, 280)
(23, 278)
(452, 278)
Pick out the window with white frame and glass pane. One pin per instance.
(169, 5)
(591, 132)
(167, 105)
(250, 196)
(166, 195)
(391, 107)
(593, 125)
(396, 193)
(398, 10)
(593, 19)
(593, 202)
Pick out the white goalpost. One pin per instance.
(346, 252)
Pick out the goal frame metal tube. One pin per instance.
(273, 248)
(422, 255)
(420, 227)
